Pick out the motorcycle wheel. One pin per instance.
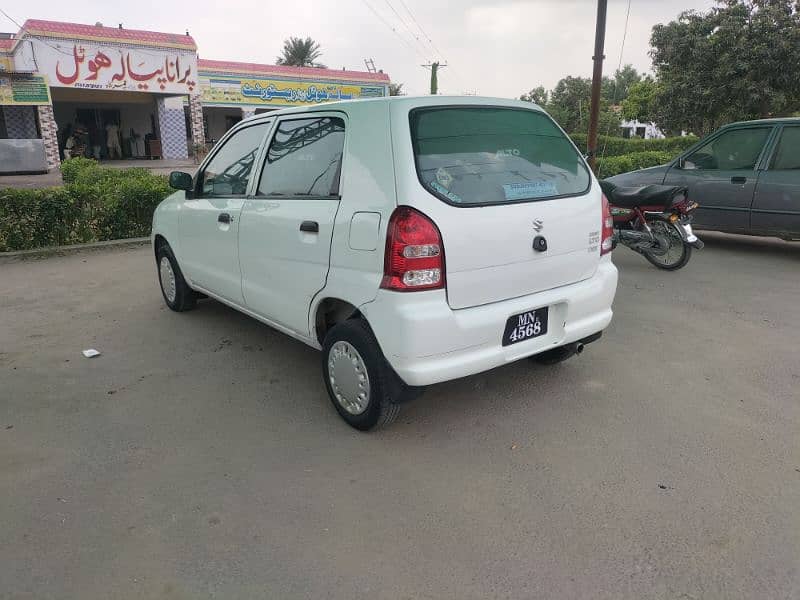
(677, 253)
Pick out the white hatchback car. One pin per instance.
(412, 240)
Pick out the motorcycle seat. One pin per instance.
(645, 195)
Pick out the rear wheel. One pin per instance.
(362, 386)
(673, 253)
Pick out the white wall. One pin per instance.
(651, 130)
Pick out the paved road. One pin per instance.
(198, 457)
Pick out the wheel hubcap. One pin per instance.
(348, 377)
(167, 276)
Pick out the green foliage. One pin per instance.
(70, 169)
(614, 165)
(616, 89)
(569, 103)
(299, 52)
(641, 105)
(736, 62)
(537, 95)
(95, 204)
(616, 146)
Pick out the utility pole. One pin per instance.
(597, 80)
(434, 67)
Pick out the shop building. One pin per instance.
(71, 89)
(230, 91)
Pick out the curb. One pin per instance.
(59, 250)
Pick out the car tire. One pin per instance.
(177, 293)
(363, 388)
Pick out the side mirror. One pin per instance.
(181, 181)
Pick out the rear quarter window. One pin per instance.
(471, 156)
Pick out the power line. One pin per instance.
(23, 30)
(405, 24)
(425, 35)
(397, 33)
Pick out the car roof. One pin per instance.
(771, 121)
(410, 101)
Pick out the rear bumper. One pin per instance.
(427, 342)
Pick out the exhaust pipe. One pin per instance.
(578, 348)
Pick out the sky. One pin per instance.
(492, 47)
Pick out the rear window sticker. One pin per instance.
(529, 189)
(445, 192)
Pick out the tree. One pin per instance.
(298, 52)
(737, 61)
(537, 95)
(568, 103)
(641, 105)
(396, 89)
(615, 89)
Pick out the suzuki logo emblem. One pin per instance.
(538, 225)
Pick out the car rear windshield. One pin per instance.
(487, 155)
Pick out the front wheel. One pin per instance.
(363, 388)
(673, 253)
(177, 293)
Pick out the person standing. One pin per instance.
(95, 140)
(112, 140)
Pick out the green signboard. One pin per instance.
(23, 89)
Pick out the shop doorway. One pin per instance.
(104, 124)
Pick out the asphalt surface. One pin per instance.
(199, 457)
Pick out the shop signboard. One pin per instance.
(281, 92)
(23, 89)
(115, 67)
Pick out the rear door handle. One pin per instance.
(738, 179)
(309, 226)
(224, 218)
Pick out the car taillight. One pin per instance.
(606, 239)
(414, 253)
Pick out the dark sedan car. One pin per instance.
(746, 177)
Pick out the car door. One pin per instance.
(287, 225)
(776, 205)
(721, 175)
(209, 219)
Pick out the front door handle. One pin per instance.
(738, 179)
(224, 218)
(309, 226)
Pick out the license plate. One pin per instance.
(524, 326)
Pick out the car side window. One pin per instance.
(229, 170)
(304, 159)
(737, 149)
(787, 155)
